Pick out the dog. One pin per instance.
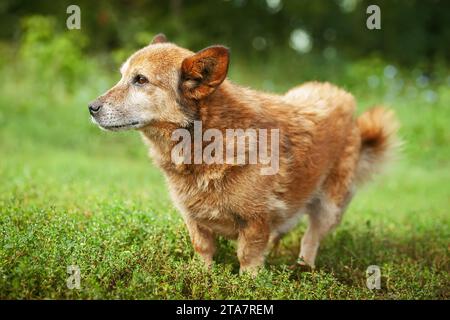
(324, 151)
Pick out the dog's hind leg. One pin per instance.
(326, 210)
(324, 215)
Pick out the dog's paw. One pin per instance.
(251, 270)
(301, 266)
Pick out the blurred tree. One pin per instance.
(412, 31)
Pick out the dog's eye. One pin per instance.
(140, 79)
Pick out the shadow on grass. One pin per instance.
(349, 251)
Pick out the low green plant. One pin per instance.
(71, 194)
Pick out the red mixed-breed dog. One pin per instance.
(324, 151)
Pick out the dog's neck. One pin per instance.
(158, 135)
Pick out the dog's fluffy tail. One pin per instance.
(379, 142)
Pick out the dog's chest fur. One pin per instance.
(221, 198)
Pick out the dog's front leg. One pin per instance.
(203, 241)
(253, 240)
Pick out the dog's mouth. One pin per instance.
(133, 124)
(118, 127)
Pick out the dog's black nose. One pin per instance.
(95, 107)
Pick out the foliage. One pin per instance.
(257, 26)
(71, 194)
(51, 56)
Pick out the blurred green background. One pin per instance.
(71, 194)
(413, 32)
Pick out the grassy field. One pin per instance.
(71, 194)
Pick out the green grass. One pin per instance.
(71, 194)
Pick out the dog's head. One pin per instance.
(157, 84)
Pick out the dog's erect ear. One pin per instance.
(204, 71)
(159, 38)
